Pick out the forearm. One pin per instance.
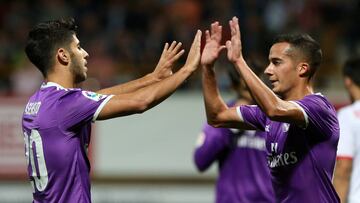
(341, 185)
(343, 170)
(130, 86)
(156, 93)
(263, 96)
(214, 104)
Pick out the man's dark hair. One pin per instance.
(307, 46)
(352, 69)
(44, 40)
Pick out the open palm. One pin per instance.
(212, 47)
(234, 48)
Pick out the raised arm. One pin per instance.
(147, 97)
(217, 112)
(163, 70)
(274, 107)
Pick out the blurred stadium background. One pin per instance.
(148, 158)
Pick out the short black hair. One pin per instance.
(306, 45)
(351, 69)
(45, 38)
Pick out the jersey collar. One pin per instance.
(52, 84)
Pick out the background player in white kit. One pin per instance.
(347, 171)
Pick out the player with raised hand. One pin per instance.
(57, 119)
(240, 154)
(301, 127)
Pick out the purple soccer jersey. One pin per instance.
(56, 126)
(301, 159)
(243, 173)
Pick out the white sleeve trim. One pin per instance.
(304, 113)
(238, 111)
(98, 110)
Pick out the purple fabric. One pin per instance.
(63, 121)
(243, 173)
(301, 160)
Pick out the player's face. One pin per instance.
(78, 60)
(282, 69)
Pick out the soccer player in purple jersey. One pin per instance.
(57, 119)
(240, 154)
(301, 127)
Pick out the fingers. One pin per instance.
(216, 31)
(172, 45)
(177, 47)
(228, 45)
(222, 47)
(177, 56)
(197, 39)
(214, 27)
(234, 26)
(165, 47)
(207, 36)
(173, 50)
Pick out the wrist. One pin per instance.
(153, 77)
(207, 66)
(240, 62)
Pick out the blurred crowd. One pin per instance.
(124, 38)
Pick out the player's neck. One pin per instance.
(62, 78)
(298, 93)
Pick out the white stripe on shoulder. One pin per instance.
(304, 113)
(98, 110)
(238, 111)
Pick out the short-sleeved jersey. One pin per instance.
(349, 145)
(56, 125)
(301, 159)
(241, 156)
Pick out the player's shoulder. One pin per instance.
(62, 93)
(317, 100)
(350, 111)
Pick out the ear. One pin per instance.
(63, 56)
(303, 69)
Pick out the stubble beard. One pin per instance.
(77, 70)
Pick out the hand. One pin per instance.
(234, 52)
(168, 57)
(212, 47)
(193, 59)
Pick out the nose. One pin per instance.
(86, 55)
(268, 70)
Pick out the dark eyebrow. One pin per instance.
(275, 59)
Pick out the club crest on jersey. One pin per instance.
(93, 96)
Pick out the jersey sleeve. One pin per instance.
(252, 115)
(319, 115)
(346, 146)
(80, 107)
(211, 143)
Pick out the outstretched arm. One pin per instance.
(217, 112)
(274, 107)
(148, 97)
(163, 70)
